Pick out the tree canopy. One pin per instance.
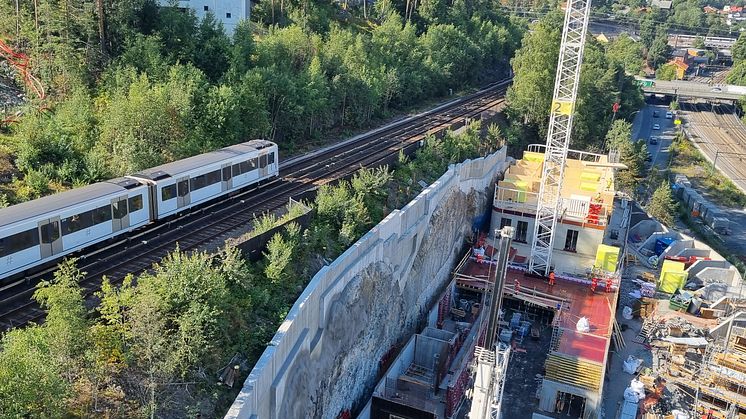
(158, 84)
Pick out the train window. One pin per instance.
(77, 222)
(198, 182)
(262, 161)
(245, 166)
(183, 188)
(168, 192)
(102, 214)
(50, 232)
(213, 177)
(120, 209)
(18, 242)
(135, 203)
(271, 158)
(226, 173)
(236, 170)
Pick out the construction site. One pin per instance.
(575, 303)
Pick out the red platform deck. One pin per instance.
(578, 302)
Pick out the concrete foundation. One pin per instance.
(325, 356)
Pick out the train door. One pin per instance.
(182, 192)
(227, 177)
(263, 170)
(51, 239)
(120, 219)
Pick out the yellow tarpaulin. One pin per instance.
(607, 257)
(593, 176)
(673, 276)
(532, 156)
(522, 186)
(588, 186)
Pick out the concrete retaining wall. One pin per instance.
(325, 355)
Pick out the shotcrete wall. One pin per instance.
(325, 355)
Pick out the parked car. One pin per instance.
(669, 115)
(653, 140)
(648, 158)
(655, 114)
(656, 126)
(716, 89)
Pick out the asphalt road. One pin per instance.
(642, 130)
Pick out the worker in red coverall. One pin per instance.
(608, 285)
(517, 286)
(551, 280)
(594, 284)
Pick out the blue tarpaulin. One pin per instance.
(662, 244)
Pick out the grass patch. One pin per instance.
(687, 160)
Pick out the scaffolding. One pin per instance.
(560, 129)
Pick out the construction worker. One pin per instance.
(551, 280)
(608, 284)
(594, 284)
(517, 286)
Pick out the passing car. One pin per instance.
(653, 140)
(655, 114)
(648, 158)
(669, 115)
(656, 126)
(716, 90)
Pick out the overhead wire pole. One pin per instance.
(558, 137)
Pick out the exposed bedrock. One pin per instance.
(325, 356)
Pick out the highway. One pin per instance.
(642, 130)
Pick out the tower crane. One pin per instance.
(491, 362)
(558, 136)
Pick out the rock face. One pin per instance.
(325, 357)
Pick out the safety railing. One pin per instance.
(578, 210)
(571, 154)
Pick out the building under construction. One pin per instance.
(575, 313)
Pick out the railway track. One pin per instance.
(212, 223)
(721, 134)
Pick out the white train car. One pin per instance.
(39, 231)
(180, 185)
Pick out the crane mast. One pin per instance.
(558, 137)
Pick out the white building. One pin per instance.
(230, 12)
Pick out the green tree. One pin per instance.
(213, 54)
(662, 205)
(699, 42)
(739, 49)
(530, 95)
(666, 72)
(242, 49)
(659, 50)
(627, 53)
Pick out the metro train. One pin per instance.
(41, 231)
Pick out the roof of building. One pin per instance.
(59, 201)
(661, 4)
(680, 64)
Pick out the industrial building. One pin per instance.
(228, 12)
